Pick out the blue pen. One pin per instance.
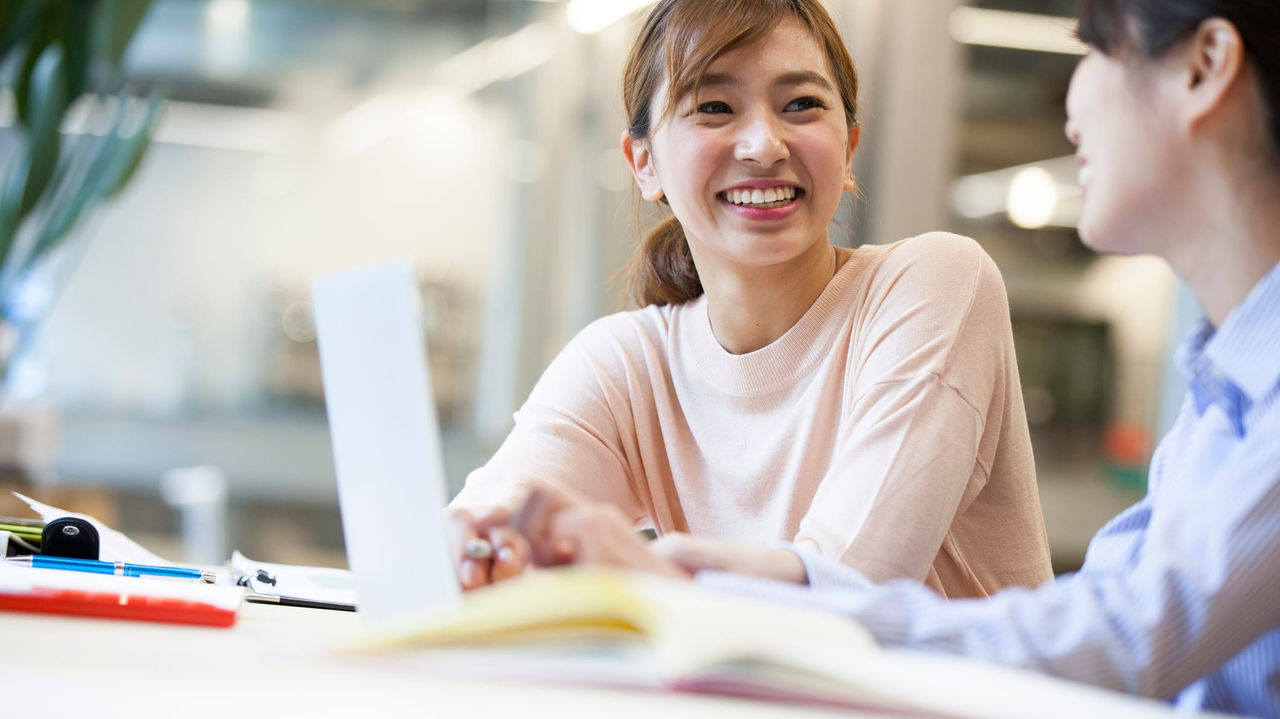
(124, 569)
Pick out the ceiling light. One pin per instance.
(227, 17)
(590, 16)
(1033, 198)
(1016, 30)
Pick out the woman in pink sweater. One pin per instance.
(861, 403)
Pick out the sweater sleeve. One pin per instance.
(928, 368)
(568, 432)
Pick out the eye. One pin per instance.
(801, 104)
(715, 107)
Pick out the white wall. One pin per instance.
(169, 303)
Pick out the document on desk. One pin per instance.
(625, 630)
(294, 585)
(113, 546)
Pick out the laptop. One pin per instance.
(386, 441)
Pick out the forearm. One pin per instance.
(1127, 632)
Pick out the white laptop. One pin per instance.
(386, 442)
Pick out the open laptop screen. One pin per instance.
(386, 442)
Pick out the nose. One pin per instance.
(761, 142)
(1071, 129)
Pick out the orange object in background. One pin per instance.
(1127, 449)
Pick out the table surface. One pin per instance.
(282, 661)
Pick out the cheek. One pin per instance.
(687, 165)
(825, 151)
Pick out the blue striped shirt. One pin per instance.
(1178, 597)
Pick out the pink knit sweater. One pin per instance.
(885, 429)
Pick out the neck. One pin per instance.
(1231, 241)
(751, 307)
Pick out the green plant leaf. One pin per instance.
(115, 159)
(48, 104)
(77, 42)
(16, 17)
(136, 145)
(11, 199)
(119, 21)
(73, 200)
(46, 29)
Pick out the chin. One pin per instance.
(1110, 239)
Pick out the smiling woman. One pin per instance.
(863, 404)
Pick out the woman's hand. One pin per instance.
(486, 549)
(561, 529)
(694, 554)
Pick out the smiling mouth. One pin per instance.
(772, 197)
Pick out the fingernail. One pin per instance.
(506, 555)
(478, 549)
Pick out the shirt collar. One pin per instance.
(1243, 349)
(1234, 366)
(1205, 382)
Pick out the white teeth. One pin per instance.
(1084, 175)
(760, 197)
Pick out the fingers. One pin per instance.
(473, 574)
(490, 517)
(510, 553)
(599, 535)
(694, 554)
(474, 567)
(486, 549)
(535, 521)
(688, 552)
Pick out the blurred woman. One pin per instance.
(863, 404)
(1176, 116)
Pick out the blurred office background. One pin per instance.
(174, 370)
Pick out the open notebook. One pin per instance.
(628, 630)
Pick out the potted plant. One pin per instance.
(61, 59)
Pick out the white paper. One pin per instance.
(322, 584)
(112, 545)
(28, 580)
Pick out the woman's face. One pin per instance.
(1120, 118)
(754, 167)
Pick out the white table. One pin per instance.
(279, 662)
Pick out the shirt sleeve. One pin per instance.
(1197, 592)
(930, 367)
(568, 432)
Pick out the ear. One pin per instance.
(855, 134)
(1214, 58)
(640, 159)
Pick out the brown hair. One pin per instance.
(679, 41)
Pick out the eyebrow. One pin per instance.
(787, 79)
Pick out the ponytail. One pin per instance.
(662, 270)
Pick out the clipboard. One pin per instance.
(293, 585)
